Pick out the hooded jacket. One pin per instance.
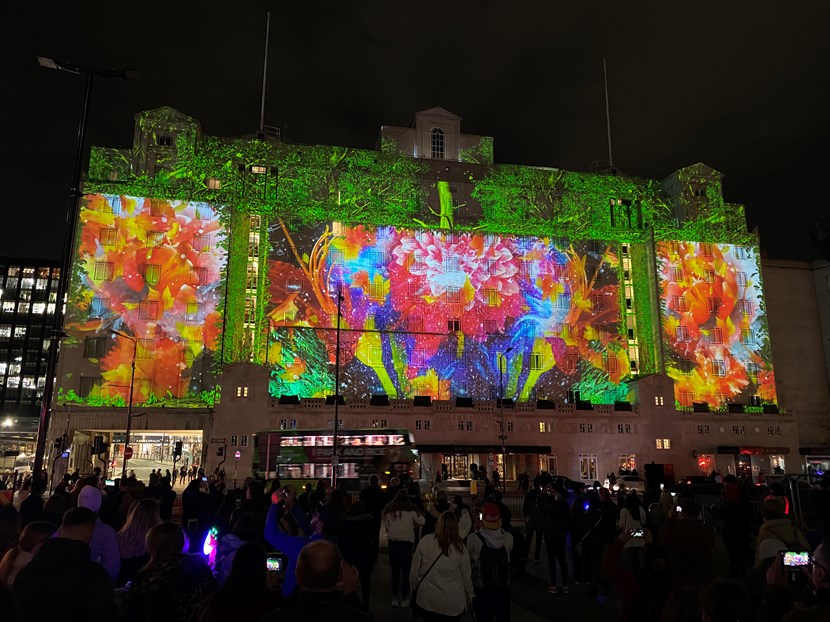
(62, 573)
(494, 539)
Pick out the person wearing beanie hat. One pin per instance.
(104, 543)
(490, 549)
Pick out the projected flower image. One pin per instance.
(429, 312)
(714, 323)
(151, 269)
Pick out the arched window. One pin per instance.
(437, 143)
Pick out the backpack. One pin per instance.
(493, 566)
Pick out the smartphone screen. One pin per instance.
(795, 559)
(678, 509)
(273, 563)
(109, 482)
(637, 533)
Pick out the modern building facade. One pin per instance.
(424, 280)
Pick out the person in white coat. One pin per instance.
(441, 572)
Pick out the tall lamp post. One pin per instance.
(503, 434)
(118, 333)
(334, 459)
(68, 241)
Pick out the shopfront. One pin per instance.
(456, 461)
(751, 462)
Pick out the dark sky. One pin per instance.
(742, 86)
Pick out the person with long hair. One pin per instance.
(441, 572)
(401, 518)
(33, 535)
(132, 537)
(172, 585)
(633, 516)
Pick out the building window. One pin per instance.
(144, 349)
(454, 325)
(686, 398)
(536, 361)
(623, 428)
(563, 302)
(152, 274)
(718, 367)
(375, 356)
(676, 274)
(716, 336)
(89, 386)
(148, 310)
(738, 429)
(511, 427)
(192, 312)
(740, 278)
(490, 327)
(662, 443)
(705, 248)
(234, 440)
(94, 347)
(419, 357)
(427, 424)
(469, 426)
(202, 276)
(243, 440)
(417, 424)
(586, 428)
(415, 324)
(774, 430)
(658, 400)
(713, 304)
(156, 207)
(103, 271)
(703, 429)
(747, 338)
(242, 392)
(460, 426)
(491, 297)
(163, 140)
(214, 183)
(588, 466)
(709, 276)
(611, 364)
(108, 236)
(437, 141)
(99, 306)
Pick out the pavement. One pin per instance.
(531, 601)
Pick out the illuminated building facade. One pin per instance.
(458, 280)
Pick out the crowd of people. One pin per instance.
(113, 552)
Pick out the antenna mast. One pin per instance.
(265, 76)
(607, 117)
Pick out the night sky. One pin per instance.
(742, 86)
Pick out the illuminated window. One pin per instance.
(156, 207)
(597, 302)
(437, 143)
(716, 336)
(155, 239)
(570, 363)
(419, 357)
(242, 392)
(90, 386)
(145, 349)
(741, 252)
(454, 325)
(536, 361)
(95, 347)
(202, 276)
(588, 466)
(23, 307)
(709, 276)
(713, 304)
(491, 296)
(336, 257)
(718, 367)
(563, 301)
(376, 289)
(39, 307)
(490, 327)
(99, 306)
(103, 271)
(375, 356)
(452, 264)
(201, 243)
(611, 363)
(687, 398)
(152, 273)
(214, 183)
(663, 443)
(525, 267)
(412, 290)
(681, 334)
(745, 307)
(148, 310)
(740, 278)
(258, 169)
(41, 283)
(108, 236)
(658, 400)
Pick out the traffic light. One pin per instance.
(177, 449)
(220, 452)
(58, 444)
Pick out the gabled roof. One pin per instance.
(437, 112)
(166, 113)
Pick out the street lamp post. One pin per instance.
(503, 434)
(68, 242)
(130, 403)
(334, 459)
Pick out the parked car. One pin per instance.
(629, 482)
(698, 485)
